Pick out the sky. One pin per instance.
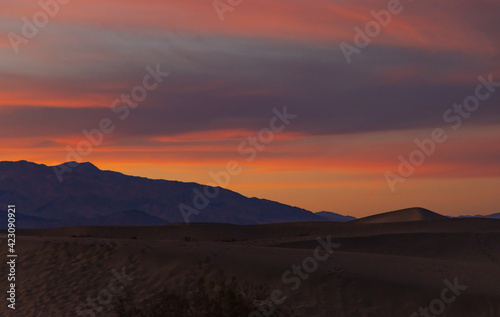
(358, 100)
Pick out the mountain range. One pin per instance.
(90, 196)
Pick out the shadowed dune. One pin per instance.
(404, 215)
(380, 269)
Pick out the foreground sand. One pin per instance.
(378, 269)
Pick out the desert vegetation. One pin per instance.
(220, 298)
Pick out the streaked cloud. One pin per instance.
(353, 120)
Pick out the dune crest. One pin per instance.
(403, 215)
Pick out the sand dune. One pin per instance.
(404, 215)
(388, 269)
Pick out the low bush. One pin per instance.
(215, 299)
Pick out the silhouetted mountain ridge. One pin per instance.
(492, 216)
(331, 216)
(89, 195)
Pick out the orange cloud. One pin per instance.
(418, 26)
(310, 171)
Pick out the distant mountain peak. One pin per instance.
(331, 216)
(74, 164)
(24, 163)
(84, 167)
(14, 167)
(18, 163)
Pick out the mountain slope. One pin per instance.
(331, 216)
(91, 196)
(492, 216)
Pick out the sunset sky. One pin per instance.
(353, 120)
